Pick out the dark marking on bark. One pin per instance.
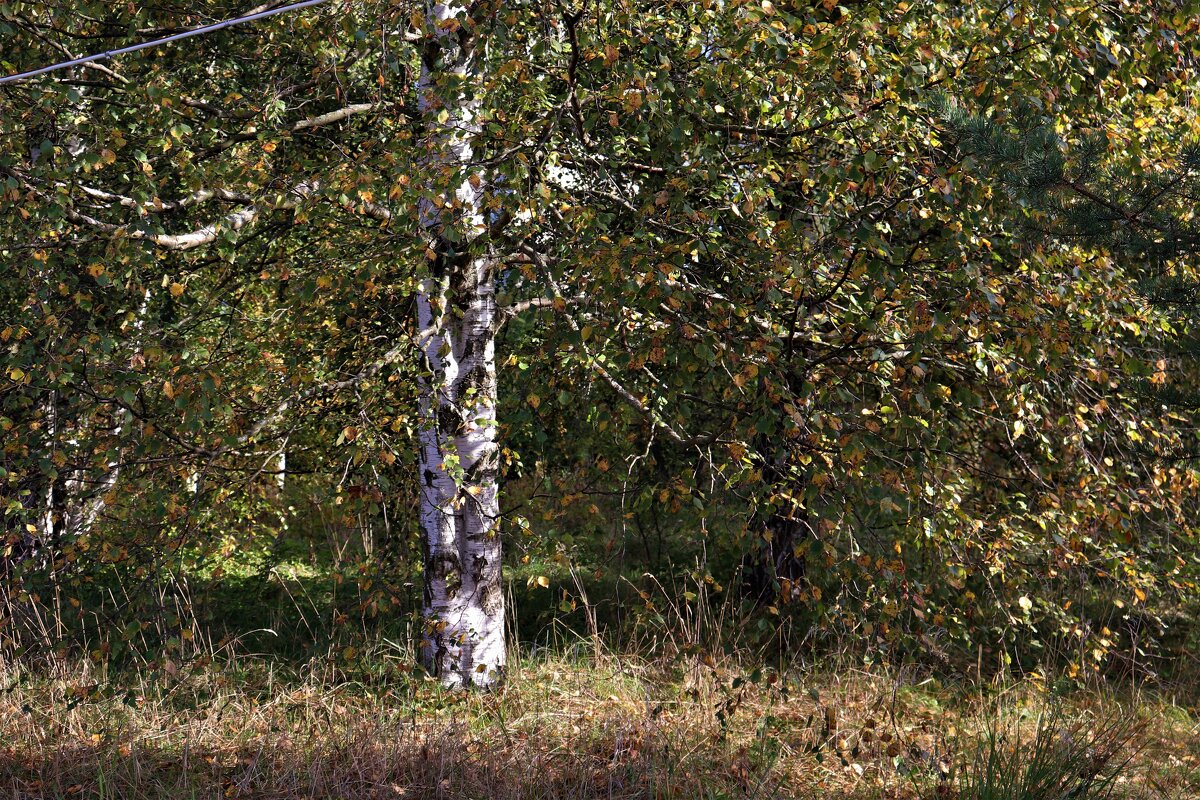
(486, 467)
(493, 597)
(479, 378)
(453, 580)
(426, 561)
(442, 248)
(450, 420)
(478, 569)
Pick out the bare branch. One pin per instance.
(157, 206)
(516, 309)
(367, 372)
(333, 116)
(307, 124)
(652, 416)
(234, 221)
(182, 241)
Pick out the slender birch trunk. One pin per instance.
(463, 642)
(87, 497)
(50, 519)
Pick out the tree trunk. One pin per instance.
(464, 607)
(51, 518)
(463, 641)
(776, 562)
(32, 540)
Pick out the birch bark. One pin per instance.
(463, 641)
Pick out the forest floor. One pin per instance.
(593, 726)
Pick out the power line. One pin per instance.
(216, 26)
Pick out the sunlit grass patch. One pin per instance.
(577, 725)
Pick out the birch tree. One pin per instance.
(456, 317)
(748, 261)
(463, 641)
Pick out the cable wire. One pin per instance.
(216, 26)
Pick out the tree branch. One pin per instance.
(309, 123)
(234, 221)
(367, 372)
(157, 206)
(655, 419)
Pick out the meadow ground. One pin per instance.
(579, 723)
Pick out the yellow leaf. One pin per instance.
(176, 289)
(543, 581)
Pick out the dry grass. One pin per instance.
(608, 728)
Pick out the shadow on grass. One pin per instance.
(373, 764)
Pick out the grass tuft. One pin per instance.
(1066, 759)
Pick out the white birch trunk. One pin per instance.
(87, 499)
(281, 469)
(51, 502)
(463, 642)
